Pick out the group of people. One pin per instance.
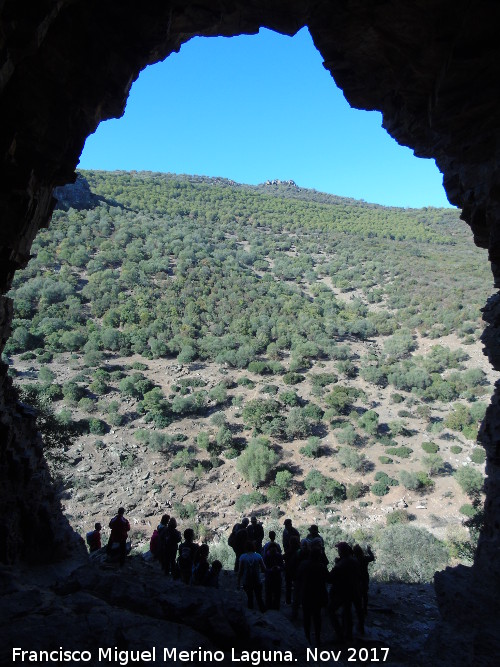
(303, 565)
(185, 560)
(120, 527)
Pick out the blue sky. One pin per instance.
(259, 107)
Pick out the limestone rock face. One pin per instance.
(430, 66)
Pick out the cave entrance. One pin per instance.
(108, 373)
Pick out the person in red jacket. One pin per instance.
(119, 531)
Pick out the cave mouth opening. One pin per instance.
(436, 99)
(128, 458)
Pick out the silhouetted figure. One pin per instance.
(170, 538)
(312, 577)
(302, 555)
(345, 592)
(291, 559)
(255, 533)
(237, 541)
(187, 553)
(315, 540)
(94, 538)
(273, 561)
(201, 567)
(289, 531)
(250, 567)
(272, 541)
(119, 531)
(212, 578)
(157, 545)
(363, 560)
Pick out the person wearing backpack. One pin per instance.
(187, 554)
(94, 538)
(119, 531)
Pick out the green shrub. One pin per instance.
(356, 490)
(468, 510)
(275, 494)
(430, 447)
(415, 481)
(379, 488)
(346, 435)
(470, 480)
(369, 422)
(456, 449)
(398, 516)
(385, 459)
(350, 458)
(256, 461)
(478, 455)
(87, 405)
(381, 476)
(293, 378)
(97, 426)
(313, 448)
(409, 554)
(283, 479)
(433, 463)
(402, 452)
(247, 500)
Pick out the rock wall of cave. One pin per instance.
(430, 66)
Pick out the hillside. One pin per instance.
(220, 349)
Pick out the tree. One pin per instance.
(409, 554)
(256, 461)
(470, 480)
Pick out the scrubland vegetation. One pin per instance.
(306, 353)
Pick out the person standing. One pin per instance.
(119, 532)
(94, 538)
(312, 577)
(364, 560)
(250, 567)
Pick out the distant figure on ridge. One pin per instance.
(119, 532)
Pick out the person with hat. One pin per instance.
(345, 591)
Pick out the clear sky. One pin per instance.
(259, 107)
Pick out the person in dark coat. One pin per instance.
(291, 559)
(364, 560)
(119, 531)
(312, 577)
(240, 538)
(345, 591)
(289, 531)
(255, 533)
(170, 538)
(273, 561)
